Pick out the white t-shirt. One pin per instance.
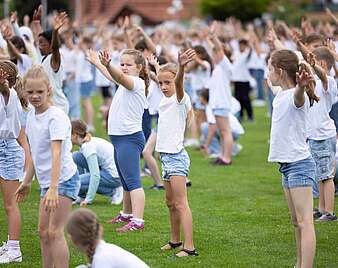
(111, 256)
(171, 124)
(24, 65)
(83, 72)
(41, 130)
(154, 97)
(288, 129)
(104, 151)
(240, 70)
(321, 126)
(56, 79)
(199, 79)
(126, 110)
(68, 59)
(219, 85)
(10, 116)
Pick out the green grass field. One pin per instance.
(240, 216)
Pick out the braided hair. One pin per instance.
(14, 80)
(85, 230)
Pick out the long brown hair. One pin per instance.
(80, 128)
(85, 229)
(14, 80)
(139, 59)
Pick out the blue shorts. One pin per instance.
(175, 164)
(298, 174)
(222, 112)
(69, 188)
(127, 152)
(12, 160)
(324, 153)
(86, 89)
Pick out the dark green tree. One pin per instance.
(241, 9)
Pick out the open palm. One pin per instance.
(60, 20)
(186, 57)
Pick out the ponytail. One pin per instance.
(144, 74)
(19, 90)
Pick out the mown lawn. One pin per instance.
(240, 215)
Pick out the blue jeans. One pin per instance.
(258, 74)
(72, 91)
(12, 159)
(107, 184)
(270, 99)
(146, 124)
(334, 114)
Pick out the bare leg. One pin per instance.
(223, 124)
(88, 111)
(303, 203)
(137, 202)
(321, 202)
(46, 249)
(58, 243)
(11, 207)
(179, 193)
(148, 157)
(173, 214)
(295, 224)
(329, 192)
(127, 209)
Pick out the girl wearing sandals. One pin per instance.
(288, 145)
(85, 232)
(174, 110)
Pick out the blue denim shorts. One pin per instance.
(221, 112)
(298, 174)
(175, 164)
(86, 89)
(324, 153)
(69, 188)
(12, 160)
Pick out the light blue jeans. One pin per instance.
(258, 74)
(107, 184)
(72, 91)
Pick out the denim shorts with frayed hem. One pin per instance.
(222, 112)
(175, 164)
(12, 160)
(324, 153)
(69, 188)
(298, 174)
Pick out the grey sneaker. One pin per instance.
(328, 217)
(8, 258)
(317, 214)
(3, 248)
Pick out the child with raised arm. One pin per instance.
(174, 110)
(49, 134)
(125, 132)
(288, 145)
(12, 156)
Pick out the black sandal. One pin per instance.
(189, 252)
(172, 245)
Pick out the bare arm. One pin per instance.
(114, 72)
(93, 58)
(305, 83)
(36, 23)
(318, 70)
(22, 140)
(183, 59)
(331, 15)
(150, 44)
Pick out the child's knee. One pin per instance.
(294, 221)
(43, 233)
(170, 204)
(54, 233)
(181, 205)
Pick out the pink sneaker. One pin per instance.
(131, 226)
(119, 218)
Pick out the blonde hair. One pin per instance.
(85, 229)
(38, 73)
(139, 59)
(14, 80)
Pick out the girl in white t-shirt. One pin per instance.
(174, 110)
(49, 134)
(125, 132)
(12, 156)
(288, 145)
(85, 232)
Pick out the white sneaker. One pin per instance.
(258, 103)
(117, 197)
(3, 248)
(8, 258)
(236, 149)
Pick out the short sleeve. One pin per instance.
(88, 149)
(138, 83)
(26, 62)
(306, 104)
(59, 126)
(226, 65)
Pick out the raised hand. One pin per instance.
(306, 80)
(126, 23)
(92, 56)
(4, 84)
(311, 59)
(330, 44)
(152, 60)
(104, 58)
(60, 20)
(37, 14)
(186, 57)
(14, 17)
(6, 32)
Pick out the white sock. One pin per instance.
(13, 246)
(137, 221)
(125, 215)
